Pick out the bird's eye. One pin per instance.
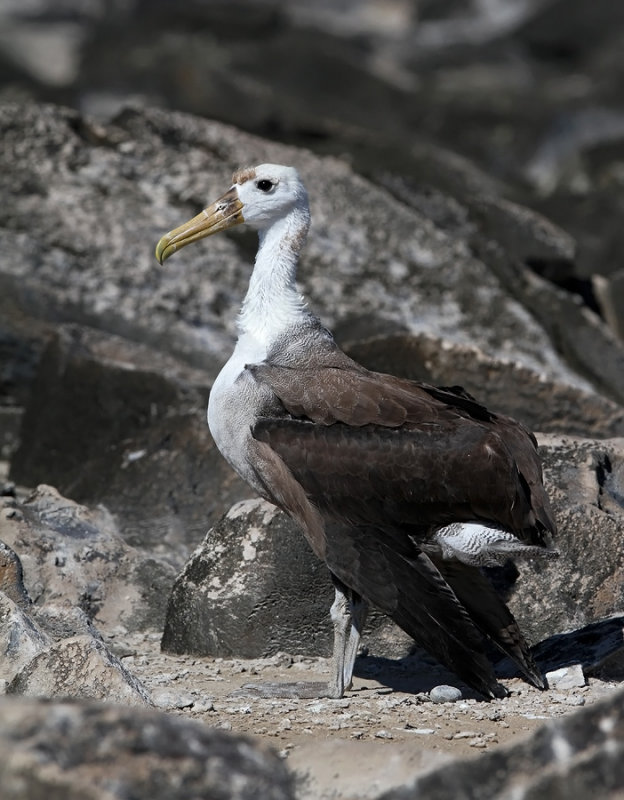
(264, 185)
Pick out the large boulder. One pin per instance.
(79, 667)
(110, 190)
(91, 751)
(252, 588)
(76, 569)
(585, 480)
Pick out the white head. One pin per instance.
(259, 196)
(268, 193)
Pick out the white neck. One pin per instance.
(272, 304)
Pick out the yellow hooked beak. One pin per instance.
(224, 213)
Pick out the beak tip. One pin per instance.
(160, 252)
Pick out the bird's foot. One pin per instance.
(303, 690)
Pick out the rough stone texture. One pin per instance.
(94, 752)
(53, 649)
(75, 556)
(20, 639)
(585, 480)
(80, 667)
(252, 588)
(422, 263)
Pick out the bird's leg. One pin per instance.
(359, 613)
(340, 613)
(348, 613)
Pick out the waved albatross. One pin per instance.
(405, 490)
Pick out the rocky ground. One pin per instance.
(399, 731)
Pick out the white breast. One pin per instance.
(235, 403)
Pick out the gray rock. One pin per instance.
(54, 650)
(566, 677)
(251, 589)
(445, 694)
(384, 277)
(239, 593)
(80, 667)
(585, 480)
(74, 556)
(88, 751)
(167, 699)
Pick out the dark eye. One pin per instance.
(264, 185)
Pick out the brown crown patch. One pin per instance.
(243, 175)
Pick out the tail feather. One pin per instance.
(491, 616)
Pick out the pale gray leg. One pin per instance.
(359, 612)
(348, 614)
(341, 618)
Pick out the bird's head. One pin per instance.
(259, 196)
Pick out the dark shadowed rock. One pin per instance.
(121, 424)
(97, 752)
(11, 570)
(252, 588)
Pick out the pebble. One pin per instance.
(205, 704)
(383, 734)
(574, 700)
(163, 698)
(445, 694)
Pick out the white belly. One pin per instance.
(236, 401)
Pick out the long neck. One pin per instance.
(272, 304)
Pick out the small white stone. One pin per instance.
(566, 678)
